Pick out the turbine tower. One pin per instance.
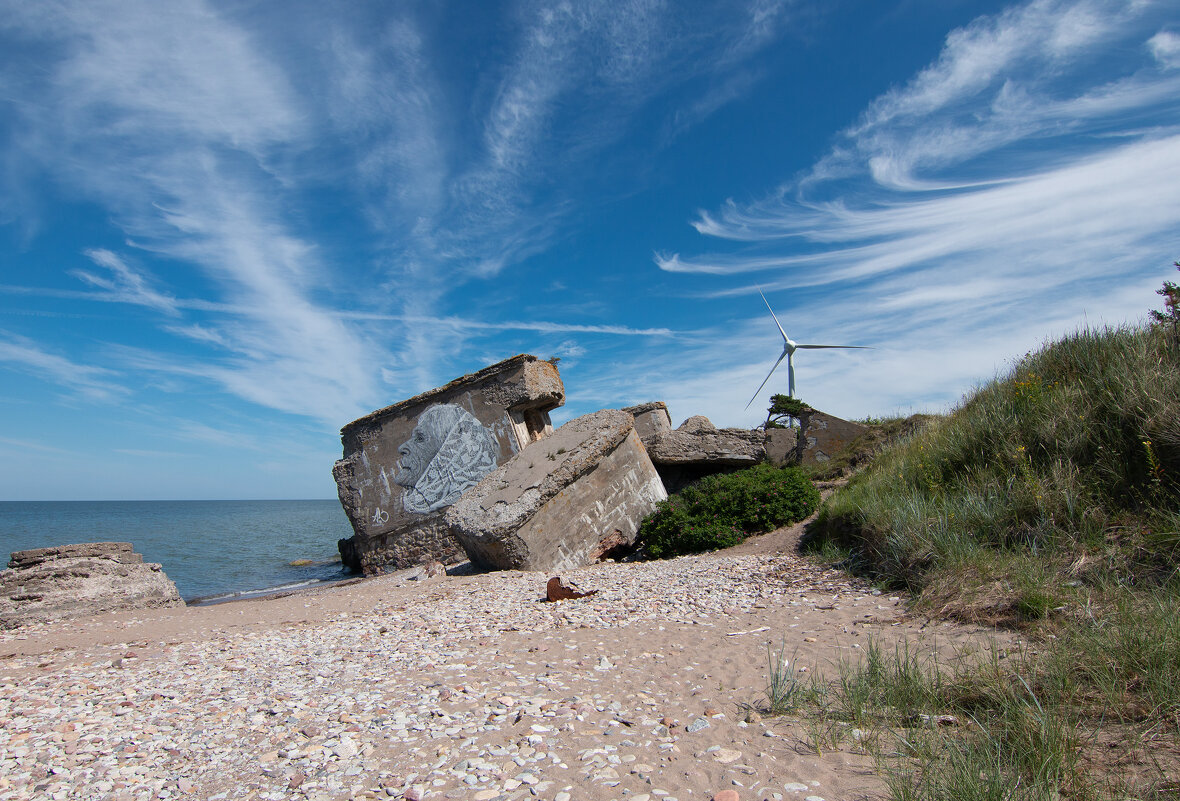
(789, 348)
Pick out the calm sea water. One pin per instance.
(211, 549)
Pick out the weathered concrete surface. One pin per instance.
(650, 419)
(822, 436)
(72, 580)
(563, 502)
(404, 464)
(697, 449)
(782, 446)
(818, 438)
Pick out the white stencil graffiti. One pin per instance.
(380, 517)
(448, 452)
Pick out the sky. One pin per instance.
(229, 228)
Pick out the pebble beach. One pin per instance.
(455, 687)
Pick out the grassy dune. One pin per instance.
(1049, 500)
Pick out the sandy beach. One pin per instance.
(457, 687)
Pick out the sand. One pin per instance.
(458, 687)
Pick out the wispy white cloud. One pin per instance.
(1040, 35)
(175, 121)
(26, 445)
(23, 354)
(613, 59)
(570, 349)
(1165, 47)
(199, 333)
(1109, 205)
(384, 97)
(1023, 183)
(126, 285)
(541, 326)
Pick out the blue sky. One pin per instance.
(229, 228)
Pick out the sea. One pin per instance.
(214, 551)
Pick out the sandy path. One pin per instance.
(460, 687)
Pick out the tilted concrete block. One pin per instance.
(405, 464)
(563, 502)
(650, 419)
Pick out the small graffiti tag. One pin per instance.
(380, 517)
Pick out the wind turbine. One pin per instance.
(789, 348)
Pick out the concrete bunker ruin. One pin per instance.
(405, 464)
(476, 467)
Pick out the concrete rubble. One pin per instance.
(404, 464)
(697, 448)
(821, 436)
(650, 419)
(67, 581)
(563, 502)
(476, 467)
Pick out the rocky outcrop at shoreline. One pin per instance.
(66, 581)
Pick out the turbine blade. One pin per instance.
(768, 375)
(776, 322)
(857, 347)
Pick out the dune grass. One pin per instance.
(1050, 501)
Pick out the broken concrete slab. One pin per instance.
(650, 419)
(782, 446)
(818, 438)
(822, 436)
(66, 581)
(405, 464)
(564, 502)
(698, 448)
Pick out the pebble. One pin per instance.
(726, 795)
(323, 710)
(727, 755)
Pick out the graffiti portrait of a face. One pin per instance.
(448, 452)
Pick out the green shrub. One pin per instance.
(722, 510)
